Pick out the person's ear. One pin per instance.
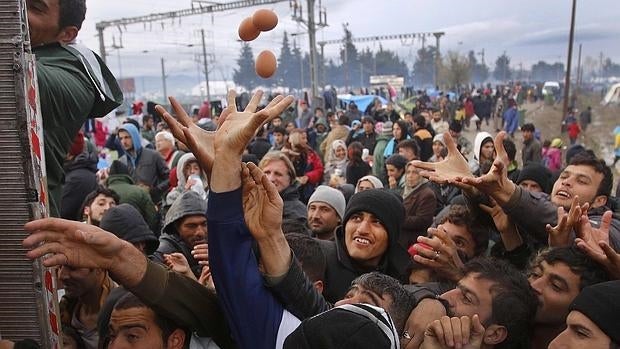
(318, 286)
(599, 201)
(176, 340)
(495, 334)
(67, 35)
(86, 212)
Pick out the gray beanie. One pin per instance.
(332, 197)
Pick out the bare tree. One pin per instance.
(455, 70)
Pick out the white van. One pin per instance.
(550, 88)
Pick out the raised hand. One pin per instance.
(262, 205)
(206, 279)
(238, 128)
(495, 183)
(595, 243)
(185, 130)
(559, 236)
(507, 229)
(450, 170)
(83, 245)
(178, 263)
(443, 258)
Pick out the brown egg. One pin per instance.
(265, 20)
(266, 64)
(247, 30)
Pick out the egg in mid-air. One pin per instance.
(266, 64)
(265, 20)
(247, 30)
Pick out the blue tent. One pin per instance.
(362, 101)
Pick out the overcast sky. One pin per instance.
(528, 30)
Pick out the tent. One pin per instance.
(362, 101)
(613, 95)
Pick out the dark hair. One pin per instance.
(309, 254)
(381, 284)
(460, 215)
(404, 126)
(411, 144)
(397, 161)
(133, 122)
(71, 13)
(146, 118)
(511, 149)
(419, 120)
(546, 143)
(528, 127)
(589, 272)
(344, 120)
(101, 190)
(167, 326)
(514, 302)
(599, 166)
(319, 108)
(354, 151)
(455, 126)
(279, 129)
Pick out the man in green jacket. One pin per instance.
(121, 182)
(74, 84)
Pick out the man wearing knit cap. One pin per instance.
(126, 222)
(325, 211)
(593, 320)
(366, 241)
(535, 178)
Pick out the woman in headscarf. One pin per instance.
(337, 161)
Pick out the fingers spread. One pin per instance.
(180, 112)
(253, 105)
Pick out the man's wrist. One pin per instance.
(503, 194)
(129, 265)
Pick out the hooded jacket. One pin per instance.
(146, 166)
(80, 180)
(129, 193)
(182, 180)
(481, 138)
(126, 222)
(74, 85)
(188, 204)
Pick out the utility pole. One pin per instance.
(569, 61)
(601, 66)
(579, 69)
(206, 66)
(437, 56)
(311, 25)
(163, 79)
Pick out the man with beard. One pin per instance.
(86, 290)
(97, 203)
(185, 231)
(325, 211)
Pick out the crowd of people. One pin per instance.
(338, 228)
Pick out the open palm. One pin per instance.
(199, 141)
(450, 170)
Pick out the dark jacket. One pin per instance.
(420, 207)
(295, 213)
(357, 170)
(70, 92)
(341, 269)
(188, 204)
(147, 167)
(368, 140)
(80, 180)
(532, 152)
(137, 197)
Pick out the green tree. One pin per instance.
(287, 66)
(388, 63)
(502, 68)
(349, 58)
(245, 74)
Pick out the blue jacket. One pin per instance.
(511, 117)
(257, 320)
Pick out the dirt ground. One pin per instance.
(598, 137)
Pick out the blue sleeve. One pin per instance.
(254, 315)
